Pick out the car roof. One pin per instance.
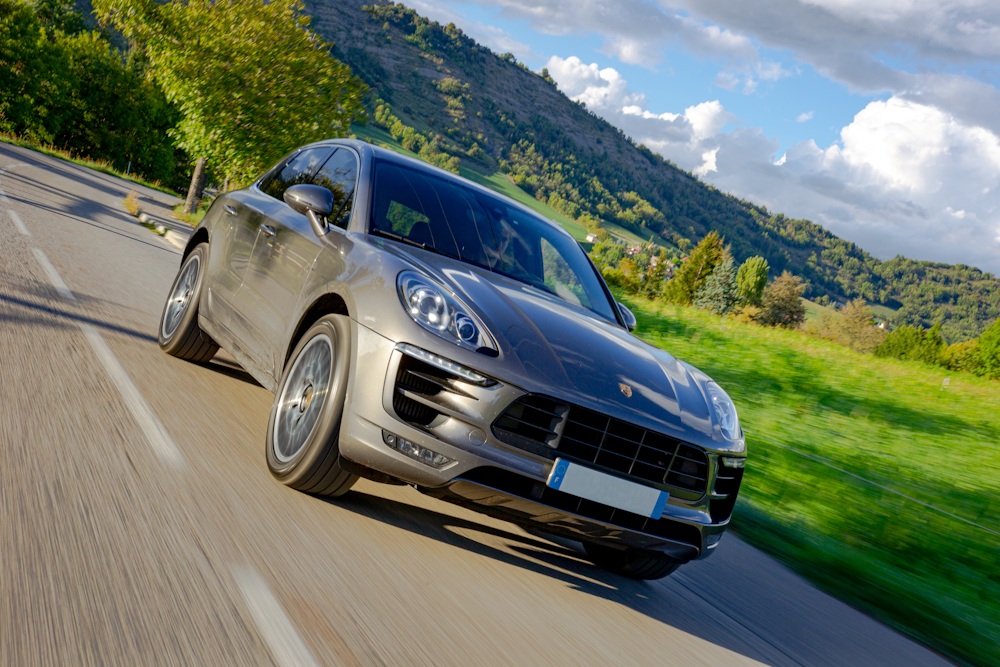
(389, 155)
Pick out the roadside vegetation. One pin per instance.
(821, 418)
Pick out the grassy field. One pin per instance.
(814, 310)
(834, 439)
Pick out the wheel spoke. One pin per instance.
(302, 398)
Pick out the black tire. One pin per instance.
(631, 563)
(179, 333)
(303, 435)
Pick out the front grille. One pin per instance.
(549, 428)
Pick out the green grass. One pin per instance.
(814, 310)
(97, 165)
(897, 424)
(882, 312)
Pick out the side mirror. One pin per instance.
(313, 201)
(627, 316)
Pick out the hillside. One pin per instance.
(497, 116)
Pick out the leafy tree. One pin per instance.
(989, 352)
(59, 15)
(751, 280)
(718, 294)
(781, 303)
(693, 273)
(250, 79)
(852, 327)
(33, 81)
(963, 357)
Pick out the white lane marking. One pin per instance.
(52, 274)
(151, 427)
(18, 223)
(3, 195)
(274, 625)
(157, 436)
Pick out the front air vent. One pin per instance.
(417, 383)
(727, 485)
(552, 429)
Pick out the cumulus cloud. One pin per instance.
(803, 117)
(904, 178)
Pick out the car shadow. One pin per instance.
(231, 369)
(553, 557)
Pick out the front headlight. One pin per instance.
(436, 310)
(725, 411)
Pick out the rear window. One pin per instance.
(485, 231)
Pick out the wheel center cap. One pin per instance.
(307, 395)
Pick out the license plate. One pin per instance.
(584, 482)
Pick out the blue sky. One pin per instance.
(875, 118)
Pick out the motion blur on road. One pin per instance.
(139, 523)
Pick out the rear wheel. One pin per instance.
(180, 335)
(631, 563)
(303, 431)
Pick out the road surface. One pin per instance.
(139, 524)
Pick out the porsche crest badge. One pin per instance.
(627, 390)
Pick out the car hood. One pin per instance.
(548, 346)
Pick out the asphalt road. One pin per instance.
(139, 523)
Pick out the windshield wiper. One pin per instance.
(402, 239)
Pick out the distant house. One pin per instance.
(884, 326)
(633, 251)
(591, 238)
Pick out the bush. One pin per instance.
(963, 357)
(914, 344)
(781, 303)
(751, 280)
(852, 328)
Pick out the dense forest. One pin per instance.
(491, 112)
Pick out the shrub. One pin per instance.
(751, 280)
(131, 203)
(914, 344)
(781, 303)
(718, 294)
(963, 357)
(852, 328)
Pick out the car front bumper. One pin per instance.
(489, 476)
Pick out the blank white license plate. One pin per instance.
(600, 487)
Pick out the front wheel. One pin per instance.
(303, 432)
(179, 335)
(631, 563)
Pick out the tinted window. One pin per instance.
(432, 212)
(298, 170)
(487, 232)
(534, 251)
(340, 174)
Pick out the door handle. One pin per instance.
(268, 231)
(230, 210)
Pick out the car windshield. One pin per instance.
(485, 231)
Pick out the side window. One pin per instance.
(340, 175)
(560, 278)
(298, 170)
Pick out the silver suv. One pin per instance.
(416, 328)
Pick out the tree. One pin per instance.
(781, 303)
(751, 280)
(250, 79)
(855, 329)
(718, 294)
(693, 273)
(989, 352)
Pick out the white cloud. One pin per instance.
(803, 117)
(905, 178)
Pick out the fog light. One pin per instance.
(415, 451)
(712, 541)
(733, 462)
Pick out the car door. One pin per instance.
(286, 249)
(254, 220)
